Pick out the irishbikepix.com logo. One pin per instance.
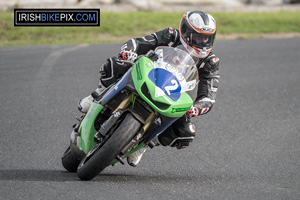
(57, 17)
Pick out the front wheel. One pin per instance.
(102, 155)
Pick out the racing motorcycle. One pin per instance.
(155, 91)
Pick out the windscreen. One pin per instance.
(180, 64)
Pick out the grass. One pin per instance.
(119, 27)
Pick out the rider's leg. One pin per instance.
(85, 103)
(183, 128)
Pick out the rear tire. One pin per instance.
(99, 158)
(70, 161)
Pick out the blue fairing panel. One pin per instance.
(161, 128)
(167, 82)
(116, 88)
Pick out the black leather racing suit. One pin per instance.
(208, 69)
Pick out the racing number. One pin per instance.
(172, 87)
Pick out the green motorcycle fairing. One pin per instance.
(145, 87)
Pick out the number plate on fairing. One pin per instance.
(166, 83)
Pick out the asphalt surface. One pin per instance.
(247, 147)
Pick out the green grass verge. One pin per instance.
(119, 27)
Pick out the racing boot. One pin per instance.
(135, 158)
(85, 103)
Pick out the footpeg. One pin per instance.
(120, 160)
(151, 144)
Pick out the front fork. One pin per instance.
(129, 149)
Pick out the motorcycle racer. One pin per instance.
(196, 35)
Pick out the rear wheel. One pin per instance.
(102, 155)
(70, 161)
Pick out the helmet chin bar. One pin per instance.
(200, 54)
(203, 53)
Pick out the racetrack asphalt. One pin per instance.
(247, 146)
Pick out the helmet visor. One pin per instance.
(200, 40)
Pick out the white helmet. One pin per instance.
(197, 33)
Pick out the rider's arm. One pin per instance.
(142, 45)
(113, 69)
(208, 85)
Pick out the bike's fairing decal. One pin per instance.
(166, 83)
(115, 89)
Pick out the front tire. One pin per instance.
(99, 158)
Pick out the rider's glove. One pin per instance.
(204, 105)
(192, 112)
(127, 54)
(200, 108)
(211, 64)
